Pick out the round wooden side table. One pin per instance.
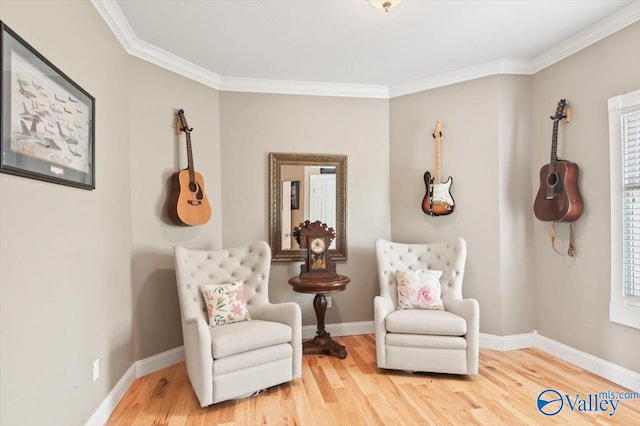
(320, 286)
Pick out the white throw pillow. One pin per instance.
(225, 303)
(419, 289)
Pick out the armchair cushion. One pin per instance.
(437, 323)
(419, 289)
(225, 303)
(235, 338)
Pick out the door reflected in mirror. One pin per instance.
(306, 187)
(308, 193)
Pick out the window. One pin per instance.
(624, 149)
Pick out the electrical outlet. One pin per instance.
(329, 302)
(96, 369)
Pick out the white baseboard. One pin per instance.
(506, 343)
(138, 369)
(608, 370)
(605, 369)
(104, 410)
(158, 362)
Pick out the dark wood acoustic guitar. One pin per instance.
(558, 198)
(188, 204)
(437, 200)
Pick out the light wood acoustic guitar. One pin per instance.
(437, 200)
(188, 204)
(558, 198)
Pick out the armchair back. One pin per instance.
(251, 263)
(448, 256)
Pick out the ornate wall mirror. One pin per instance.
(306, 187)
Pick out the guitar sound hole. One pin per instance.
(552, 180)
(193, 187)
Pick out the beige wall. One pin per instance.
(65, 253)
(515, 200)
(157, 152)
(88, 274)
(252, 125)
(572, 294)
(488, 192)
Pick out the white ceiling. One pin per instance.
(349, 42)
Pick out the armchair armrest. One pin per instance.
(469, 309)
(287, 313)
(382, 306)
(198, 357)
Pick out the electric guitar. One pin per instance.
(558, 198)
(437, 200)
(188, 203)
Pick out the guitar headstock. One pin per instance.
(560, 111)
(437, 132)
(182, 122)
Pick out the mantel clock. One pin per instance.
(315, 238)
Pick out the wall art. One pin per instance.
(47, 120)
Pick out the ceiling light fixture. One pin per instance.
(384, 4)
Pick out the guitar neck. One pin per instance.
(192, 177)
(554, 148)
(436, 170)
(559, 115)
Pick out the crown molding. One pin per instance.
(233, 84)
(501, 66)
(613, 23)
(118, 24)
(604, 28)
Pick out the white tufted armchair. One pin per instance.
(234, 360)
(426, 340)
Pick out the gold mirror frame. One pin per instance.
(276, 161)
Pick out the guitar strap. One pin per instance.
(572, 242)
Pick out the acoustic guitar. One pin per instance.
(188, 203)
(437, 200)
(558, 198)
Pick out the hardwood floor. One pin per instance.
(354, 391)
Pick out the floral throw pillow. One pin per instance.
(225, 303)
(419, 289)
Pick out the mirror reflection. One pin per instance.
(306, 187)
(308, 192)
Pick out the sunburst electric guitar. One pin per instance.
(188, 203)
(437, 200)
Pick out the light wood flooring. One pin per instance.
(354, 391)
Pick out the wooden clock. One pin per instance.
(316, 238)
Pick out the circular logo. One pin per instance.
(550, 402)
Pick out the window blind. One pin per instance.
(631, 203)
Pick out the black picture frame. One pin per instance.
(295, 195)
(46, 120)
